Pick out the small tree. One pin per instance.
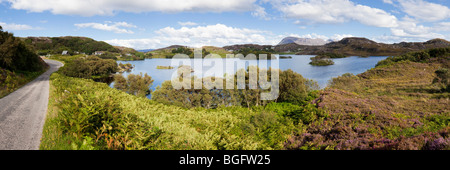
(134, 84)
(443, 78)
(293, 87)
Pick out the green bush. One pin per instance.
(442, 78)
(134, 84)
(293, 88)
(91, 67)
(421, 56)
(15, 55)
(269, 128)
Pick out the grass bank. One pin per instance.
(11, 81)
(84, 114)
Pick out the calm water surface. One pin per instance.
(298, 63)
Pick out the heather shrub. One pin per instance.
(347, 82)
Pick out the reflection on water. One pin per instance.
(298, 63)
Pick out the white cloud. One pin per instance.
(335, 11)
(215, 35)
(388, 1)
(425, 11)
(145, 43)
(15, 27)
(188, 23)
(335, 37)
(108, 7)
(218, 35)
(260, 12)
(442, 26)
(314, 36)
(109, 26)
(338, 37)
(410, 28)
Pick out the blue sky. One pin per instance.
(149, 24)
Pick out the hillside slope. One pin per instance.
(56, 45)
(352, 46)
(397, 105)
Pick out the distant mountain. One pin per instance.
(252, 46)
(170, 47)
(145, 50)
(351, 46)
(303, 41)
(363, 46)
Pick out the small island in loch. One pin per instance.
(164, 67)
(321, 60)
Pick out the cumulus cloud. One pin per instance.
(388, 1)
(15, 27)
(260, 12)
(425, 11)
(116, 27)
(334, 37)
(107, 7)
(411, 28)
(442, 26)
(188, 23)
(335, 11)
(216, 35)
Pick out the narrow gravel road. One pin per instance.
(22, 113)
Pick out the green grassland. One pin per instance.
(11, 81)
(84, 114)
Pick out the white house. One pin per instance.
(99, 53)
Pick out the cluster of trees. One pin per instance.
(333, 55)
(293, 88)
(442, 54)
(125, 67)
(188, 51)
(90, 67)
(135, 56)
(251, 50)
(137, 85)
(183, 50)
(15, 55)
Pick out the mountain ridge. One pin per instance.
(304, 41)
(351, 46)
(358, 46)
